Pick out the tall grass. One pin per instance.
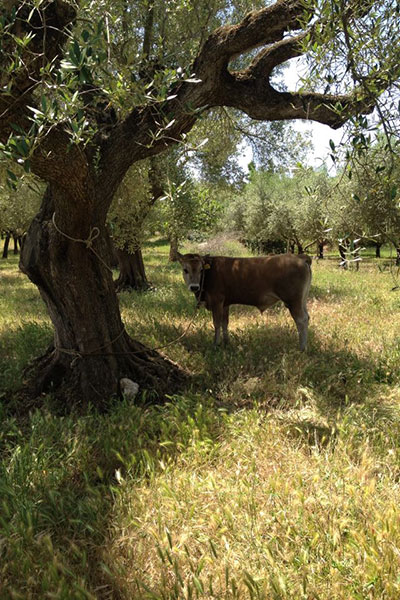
(274, 475)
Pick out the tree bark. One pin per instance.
(173, 249)
(6, 244)
(15, 238)
(378, 250)
(320, 250)
(92, 350)
(132, 275)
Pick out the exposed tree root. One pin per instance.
(76, 381)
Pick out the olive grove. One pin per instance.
(88, 89)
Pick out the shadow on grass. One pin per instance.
(269, 352)
(59, 485)
(22, 296)
(67, 499)
(18, 346)
(331, 294)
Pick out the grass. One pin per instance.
(274, 475)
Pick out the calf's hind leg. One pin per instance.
(301, 318)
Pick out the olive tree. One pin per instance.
(374, 187)
(18, 205)
(129, 210)
(78, 108)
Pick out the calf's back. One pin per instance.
(259, 281)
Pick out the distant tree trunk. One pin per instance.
(398, 256)
(342, 252)
(6, 244)
(15, 238)
(17, 241)
(173, 249)
(291, 247)
(378, 249)
(300, 248)
(132, 275)
(114, 262)
(132, 272)
(321, 249)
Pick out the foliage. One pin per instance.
(374, 184)
(101, 76)
(277, 207)
(130, 209)
(19, 203)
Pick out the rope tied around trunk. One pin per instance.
(93, 235)
(79, 355)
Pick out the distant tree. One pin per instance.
(277, 208)
(18, 205)
(178, 213)
(375, 192)
(311, 198)
(130, 211)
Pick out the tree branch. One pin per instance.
(258, 28)
(142, 134)
(277, 54)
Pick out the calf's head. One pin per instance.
(192, 267)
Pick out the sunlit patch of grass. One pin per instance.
(221, 244)
(268, 515)
(24, 324)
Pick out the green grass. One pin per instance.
(274, 475)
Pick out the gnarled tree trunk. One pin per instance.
(132, 275)
(92, 350)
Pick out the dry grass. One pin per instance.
(275, 475)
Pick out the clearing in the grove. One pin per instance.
(273, 475)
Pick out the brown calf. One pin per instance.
(219, 281)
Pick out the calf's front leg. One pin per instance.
(218, 320)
